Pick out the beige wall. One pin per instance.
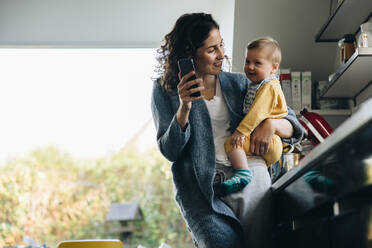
(294, 24)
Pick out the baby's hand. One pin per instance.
(237, 139)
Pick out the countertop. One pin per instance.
(360, 121)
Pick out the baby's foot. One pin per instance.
(236, 183)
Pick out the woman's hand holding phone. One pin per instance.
(184, 92)
(186, 88)
(189, 89)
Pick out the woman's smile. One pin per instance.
(218, 64)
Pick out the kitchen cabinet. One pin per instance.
(326, 201)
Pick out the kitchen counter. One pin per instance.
(360, 120)
(317, 202)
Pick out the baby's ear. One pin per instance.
(275, 67)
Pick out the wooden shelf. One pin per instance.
(325, 112)
(346, 19)
(353, 77)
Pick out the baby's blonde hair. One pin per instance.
(267, 43)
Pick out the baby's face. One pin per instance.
(258, 65)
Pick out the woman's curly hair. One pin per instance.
(187, 35)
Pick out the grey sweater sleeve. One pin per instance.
(298, 130)
(170, 137)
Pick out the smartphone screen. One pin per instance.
(185, 66)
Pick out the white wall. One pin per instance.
(294, 24)
(101, 23)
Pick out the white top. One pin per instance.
(220, 124)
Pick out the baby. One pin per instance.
(264, 99)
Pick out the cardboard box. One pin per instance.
(306, 86)
(285, 81)
(296, 90)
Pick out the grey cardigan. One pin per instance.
(192, 151)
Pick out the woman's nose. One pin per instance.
(220, 53)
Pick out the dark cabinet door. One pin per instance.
(351, 229)
(310, 235)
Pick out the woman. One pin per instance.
(189, 137)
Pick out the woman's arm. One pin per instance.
(184, 92)
(283, 128)
(298, 130)
(173, 131)
(287, 128)
(263, 134)
(170, 136)
(182, 116)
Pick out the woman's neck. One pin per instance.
(210, 86)
(209, 81)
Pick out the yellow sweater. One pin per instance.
(269, 102)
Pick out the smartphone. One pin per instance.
(185, 66)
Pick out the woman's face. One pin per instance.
(209, 57)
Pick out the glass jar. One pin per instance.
(365, 37)
(348, 47)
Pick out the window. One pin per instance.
(88, 102)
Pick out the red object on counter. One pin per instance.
(316, 126)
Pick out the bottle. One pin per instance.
(365, 37)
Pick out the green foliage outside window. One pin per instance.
(51, 196)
